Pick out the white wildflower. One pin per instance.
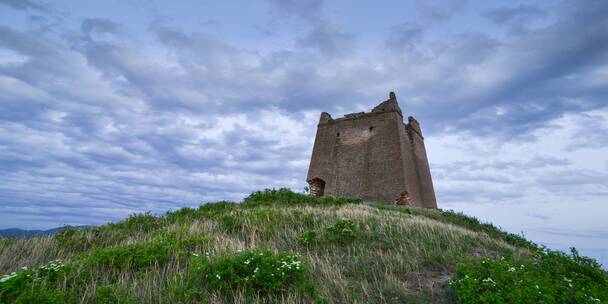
(218, 276)
(7, 277)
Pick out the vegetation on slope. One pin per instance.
(281, 246)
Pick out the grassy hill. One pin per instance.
(281, 246)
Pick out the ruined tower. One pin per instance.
(372, 155)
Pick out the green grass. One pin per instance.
(346, 251)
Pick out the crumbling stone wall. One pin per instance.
(373, 155)
(316, 187)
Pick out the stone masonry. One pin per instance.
(372, 155)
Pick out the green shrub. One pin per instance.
(221, 207)
(33, 285)
(308, 237)
(42, 293)
(181, 241)
(144, 222)
(549, 277)
(194, 243)
(12, 285)
(209, 210)
(286, 196)
(342, 231)
(255, 271)
(282, 195)
(181, 214)
(133, 256)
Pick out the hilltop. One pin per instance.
(281, 246)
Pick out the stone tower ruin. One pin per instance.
(372, 155)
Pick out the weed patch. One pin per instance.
(308, 237)
(217, 207)
(342, 231)
(33, 285)
(144, 222)
(134, 256)
(282, 195)
(287, 197)
(181, 215)
(550, 277)
(255, 271)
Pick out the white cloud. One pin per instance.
(546, 188)
(97, 121)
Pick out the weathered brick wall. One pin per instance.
(370, 155)
(423, 171)
(412, 180)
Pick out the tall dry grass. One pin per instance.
(395, 256)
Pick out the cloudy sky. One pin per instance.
(113, 107)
